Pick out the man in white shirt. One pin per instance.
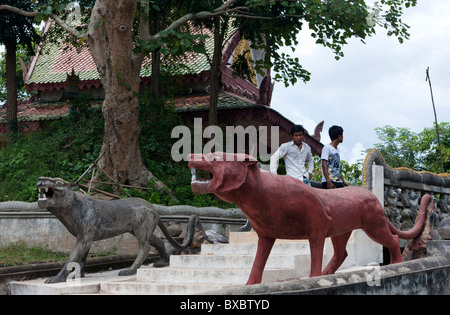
(297, 156)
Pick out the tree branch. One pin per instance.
(258, 17)
(144, 31)
(57, 19)
(17, 10)
(225, 8)
(66, 27)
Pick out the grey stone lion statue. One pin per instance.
(89, 220)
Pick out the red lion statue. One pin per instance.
(283, 207)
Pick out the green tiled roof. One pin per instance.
(225, 101)
(54, 63)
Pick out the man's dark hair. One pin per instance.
(335, 131)
(297, 128)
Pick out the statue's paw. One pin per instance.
(161, 263)
(127, 272)
(55, 279)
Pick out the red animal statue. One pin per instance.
(283, 207)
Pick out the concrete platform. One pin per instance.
(90, 284)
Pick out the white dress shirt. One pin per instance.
(294, 159)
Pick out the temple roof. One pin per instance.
(37, 111)
(54, 62)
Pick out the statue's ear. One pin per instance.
(250, 160)
(62, 183)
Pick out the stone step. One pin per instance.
(161, 288)
(238, 261)
(252, 237)
(91, 284)
(295, 248)
(216, 276)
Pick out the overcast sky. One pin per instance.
(376, 84)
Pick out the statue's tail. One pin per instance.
(419, 226)
(190, 233)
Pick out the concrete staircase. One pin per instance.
(218, 266)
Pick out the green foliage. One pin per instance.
(65, 148)
(430, 148)
(402, 147)
(352, 173)
(399, 147)
(174, 42)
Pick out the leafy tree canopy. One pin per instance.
(402, 147)
(268, 24)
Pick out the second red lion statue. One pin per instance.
(283, 207)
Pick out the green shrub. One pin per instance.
(65, 148)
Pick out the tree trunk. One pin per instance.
(155, 88)
(11, 88)
(110, 42)
(220, 29)
(215, 81)
(156, 71)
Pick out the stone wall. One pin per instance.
(45, 229)
(402, 190)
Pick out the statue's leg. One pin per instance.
(83, 263)
(265, 245)
(159, 245)
(340, 253)
(80, 250)
(394, 249)
(144, 249)
(381, 234)
(316, 247)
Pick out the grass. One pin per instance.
(20, 253)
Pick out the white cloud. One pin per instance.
(358, 153)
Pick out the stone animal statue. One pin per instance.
(89, 220)
(283, 207)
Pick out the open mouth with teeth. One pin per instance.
(45, 193)
(194, 179)
(201, 181)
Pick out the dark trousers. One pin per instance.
(337, 185)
